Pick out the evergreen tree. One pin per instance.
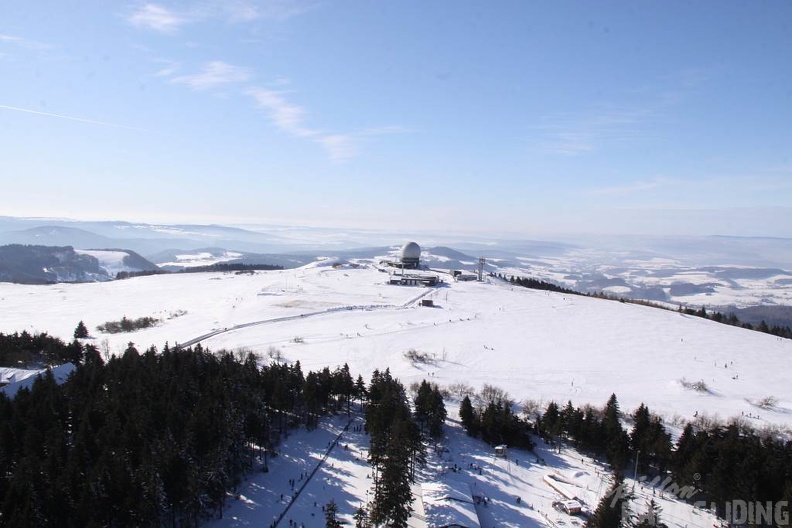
(612, 511)
(572, 421)
(615, 439)
(81, 331)
(393, 494)
(438, 413)
(430, 409)
(361, 518)
(550, 423)
(468, 417)
(344, 385)
(395, 449)
(331, 515)
(360, 389)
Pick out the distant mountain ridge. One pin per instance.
(38, 264)
(683, 270)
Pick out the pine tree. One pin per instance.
(361, 518)
(612, 511)
(640, 427)
(550, 422)
(344, 385)
(438, 413)
(81, 331)
(360, 389)
(615, 439)
(331, 515)
(467, 416)
(393, 494)
(430, 409)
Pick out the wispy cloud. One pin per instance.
(573, 135)
(169, 67)
(24, 43)
(246, 10)
(603, 125)
(213, 74)
(157, 18)
(290, 118)
(167, 20)
(339, 147)
(287, 116)
(69, 118)
(634, 187)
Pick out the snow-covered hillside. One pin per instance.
(113, 261)
(330, 464)
(536, 345)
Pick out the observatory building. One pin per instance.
(410, 255)
(407, 270)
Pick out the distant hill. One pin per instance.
(178, 260)
(146, 239)
(38, 264)
(56, 236)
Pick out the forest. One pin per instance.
(721, 462)
(161, 437)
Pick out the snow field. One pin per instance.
(533, 344)
(536, 345)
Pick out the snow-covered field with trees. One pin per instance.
(329, 464)
(537, 346)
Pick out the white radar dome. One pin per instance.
(411, 251)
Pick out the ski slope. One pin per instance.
(330, 464)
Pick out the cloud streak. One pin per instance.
(24, 43)
(213, 74)
(286, 116)
(574, 135)
(69, 118)
(634, 187)
(157, 18)
(290, 118)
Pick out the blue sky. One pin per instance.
(513, 117)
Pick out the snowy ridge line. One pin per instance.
(313, 472)
(359, 307)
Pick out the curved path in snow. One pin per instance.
(366, 307)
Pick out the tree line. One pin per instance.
(22, 349)
(149, 438)
(718, 317)
(495, 423)
(724, 463)
(220, 266)
(398, 438)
